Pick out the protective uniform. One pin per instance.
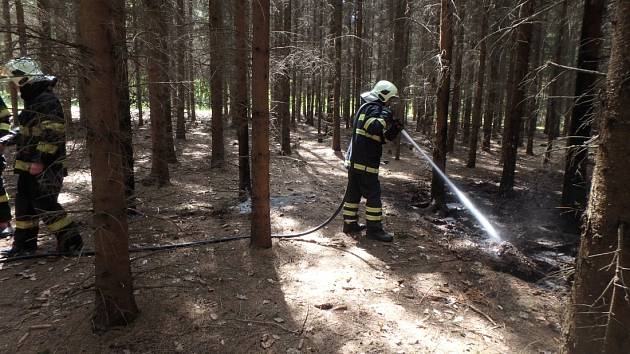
(5, 208)
(373, 126)
(41, 139)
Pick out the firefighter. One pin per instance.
(39, 161)
(5, 210)
(373, 126)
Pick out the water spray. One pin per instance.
(482, 219)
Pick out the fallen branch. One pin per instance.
(592, 72)
(482, 313)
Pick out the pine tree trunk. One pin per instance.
(575, 183)
(468, 104)
(79, 81)
(159, 97)
(438, 191)
(401, 27)
(46, 55)
(284, 82)
(537, 58)
(481, 77)
(180, 54)
(599, 313)
(114, 300)
(8, 55)
(21, 27)
(358, 53)
(241, 96)
(522, 38)
(192, 113)
(260, 221)
(121, 57)
(216, 82)
(554, 106)
(61, 55)
(457, 84)
(493, 93)
(137, 48)
(336, 79)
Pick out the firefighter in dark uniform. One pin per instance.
(39, 162)
(373, 126)
(5, 209)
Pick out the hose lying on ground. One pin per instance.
(175, 245)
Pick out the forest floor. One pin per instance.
(430, 291)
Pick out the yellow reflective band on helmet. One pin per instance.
(372, 120)
(351, 205)
(4, 113)
(22, 166)
(47, 148)
(368, 135)
(373, 210)
(362, 117)
(25, 225)
(4, 198)
(373, 218)
(360, 167)
(349, 213)
(60, 224)
(54, 126)
(5, 126)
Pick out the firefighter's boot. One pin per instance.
(378, 234)
(24, 242)
(353, 228)
(6, 230)
(69, 240)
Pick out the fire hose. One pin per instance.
(458, 193)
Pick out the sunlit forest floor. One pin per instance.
(434, 290)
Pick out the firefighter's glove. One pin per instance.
(394, 127)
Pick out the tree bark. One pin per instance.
(575, 182)
(159, 97)
(599, 313)
(180, 54)
(457, 83)
(115, 304)
(538, 53)
(21, 28)
(137, 48)
(554, 105)
(493, 93)
(401, 28)
(522, 38)
(336, 79)
(481, 77)
(216, 82)
(121, 57)
(46, 55)
(358, 53)
(8, 55)
(241, 96)
(192, 113)
(284, 84)
(468, 104)
(438, 191)
(79, 83)
(260, 221)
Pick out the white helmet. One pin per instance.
(23, 71)
(383, 90)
